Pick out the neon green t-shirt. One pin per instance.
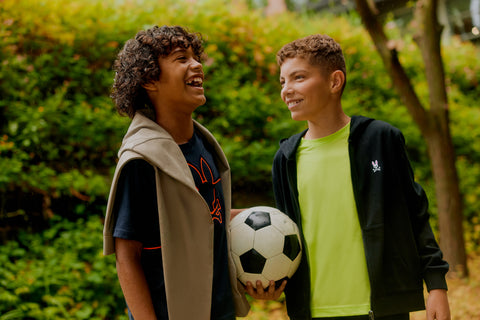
(339, 278)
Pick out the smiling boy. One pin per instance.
(347, 183)
(169, 206)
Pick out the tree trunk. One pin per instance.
(433, 123)
(439, 140)
(449, 203)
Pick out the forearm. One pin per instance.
(437, 305)
(234, 212)
(132, 280)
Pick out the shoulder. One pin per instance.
(136, 174)
(367, 128)
(138, 166)
(288, 146)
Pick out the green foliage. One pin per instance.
(59, 274)
(59, 132)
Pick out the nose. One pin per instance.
(196, 65)
(286, 90)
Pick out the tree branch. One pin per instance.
(389, 56)
(428, 39)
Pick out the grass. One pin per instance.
(463, 295)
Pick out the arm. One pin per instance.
(234, 212)
(278, 183)
(132, 279)
(434, 267)
(437, 305)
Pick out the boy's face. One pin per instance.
(305, 90)
(180, 85)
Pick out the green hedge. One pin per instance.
(60, 133)
(60, 274)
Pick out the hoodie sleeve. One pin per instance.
(278, 182)
(434, 267)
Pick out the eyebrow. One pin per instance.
(294, 72)
(177, 50)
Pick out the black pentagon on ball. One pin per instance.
(291, 247)
(252, 261)
(258, 220)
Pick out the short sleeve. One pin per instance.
(135, 205)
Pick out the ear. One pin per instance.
(337, 79)
(150, 86)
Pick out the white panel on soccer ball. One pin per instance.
(242, 238)
(277, 267)
(253, 277)
(294, 266)
(238, 264)
(238, 219)
(283, 223)
(268, 242)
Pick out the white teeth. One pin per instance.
(291, 103)
(196, 81)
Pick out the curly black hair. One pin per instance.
(137, 64)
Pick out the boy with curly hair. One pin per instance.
(169, 206)
(348, 184)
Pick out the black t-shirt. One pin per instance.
(137, 219)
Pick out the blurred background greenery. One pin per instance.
(59, 132)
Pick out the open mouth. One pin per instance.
(195, 82)
(292, 103)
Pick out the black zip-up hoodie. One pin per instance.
(400, 248)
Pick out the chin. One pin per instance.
(297, 117)
(200, 102)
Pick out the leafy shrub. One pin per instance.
(60, 133)
(59, 274)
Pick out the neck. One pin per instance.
(326, 125)
(180, 128)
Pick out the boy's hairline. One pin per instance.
(309, 61)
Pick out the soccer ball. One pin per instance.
(265, 245)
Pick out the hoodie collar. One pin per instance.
(289, 146)
(358, 124)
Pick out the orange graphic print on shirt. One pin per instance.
(206, 185)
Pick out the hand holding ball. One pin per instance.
(265, 245)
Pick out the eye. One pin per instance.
(181, 58)
(299, 77)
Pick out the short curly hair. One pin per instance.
(319, 50)
(137, 64)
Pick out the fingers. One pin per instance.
(275, 294)
(257, 292)
(282, 286)
(271, 288)
(250, 290)
(269, 294)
